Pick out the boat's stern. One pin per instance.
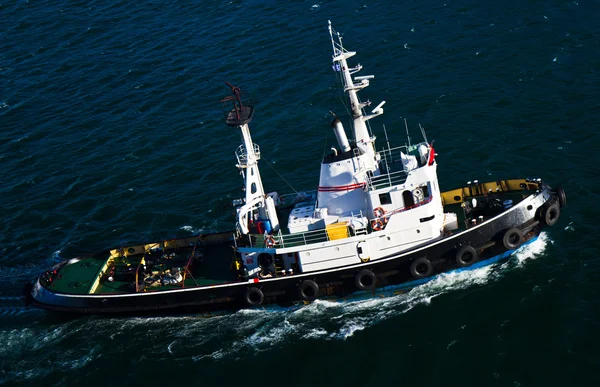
(64, 283)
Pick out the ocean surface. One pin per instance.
(112, 131)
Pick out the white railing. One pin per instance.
(387, 180)
(303, 238)
(242, 155)
(290, 240)
(392, 169)
(318, 236)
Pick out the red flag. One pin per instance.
(431, 155)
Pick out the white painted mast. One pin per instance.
(247, 156)
(364, 141)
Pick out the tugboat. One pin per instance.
(378, 223)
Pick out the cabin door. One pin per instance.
(363, 251)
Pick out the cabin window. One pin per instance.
(409, 201)
(253, 188)
(385, 198)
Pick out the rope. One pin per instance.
(283, 178)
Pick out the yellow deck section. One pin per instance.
(337, 231)
(99, 275)
(458, 195)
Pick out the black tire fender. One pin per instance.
(512, 239)
(308, 290)
(365, 280)
(254, 297)
(551, 214)
(421, 268)
(466, 256)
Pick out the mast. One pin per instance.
(352, 86)
(247, 156)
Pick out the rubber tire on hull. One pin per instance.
(512, 239)
(365, 280)
(421, 268)
(551, 214)
(254, 297)
(308, 290)
(466, 256)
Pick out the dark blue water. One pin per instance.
(111, 131)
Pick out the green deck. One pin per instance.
(76, 277)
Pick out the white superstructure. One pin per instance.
(369, 204)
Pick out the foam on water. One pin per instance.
(256, 331)
(37, 346)
(533, 250)
(192, 229)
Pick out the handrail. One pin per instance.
(314, 236)
(242, 155)
(304, 238)
(386, 180)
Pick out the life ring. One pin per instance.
(512, 239)
(551, 214)
(562, 197)
(365, 280)
(308, 290)
(254, 297)
(378, 212)
(421, 268)
(466, 256)
(270, 241)
(377, 224)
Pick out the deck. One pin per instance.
(173, 264)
